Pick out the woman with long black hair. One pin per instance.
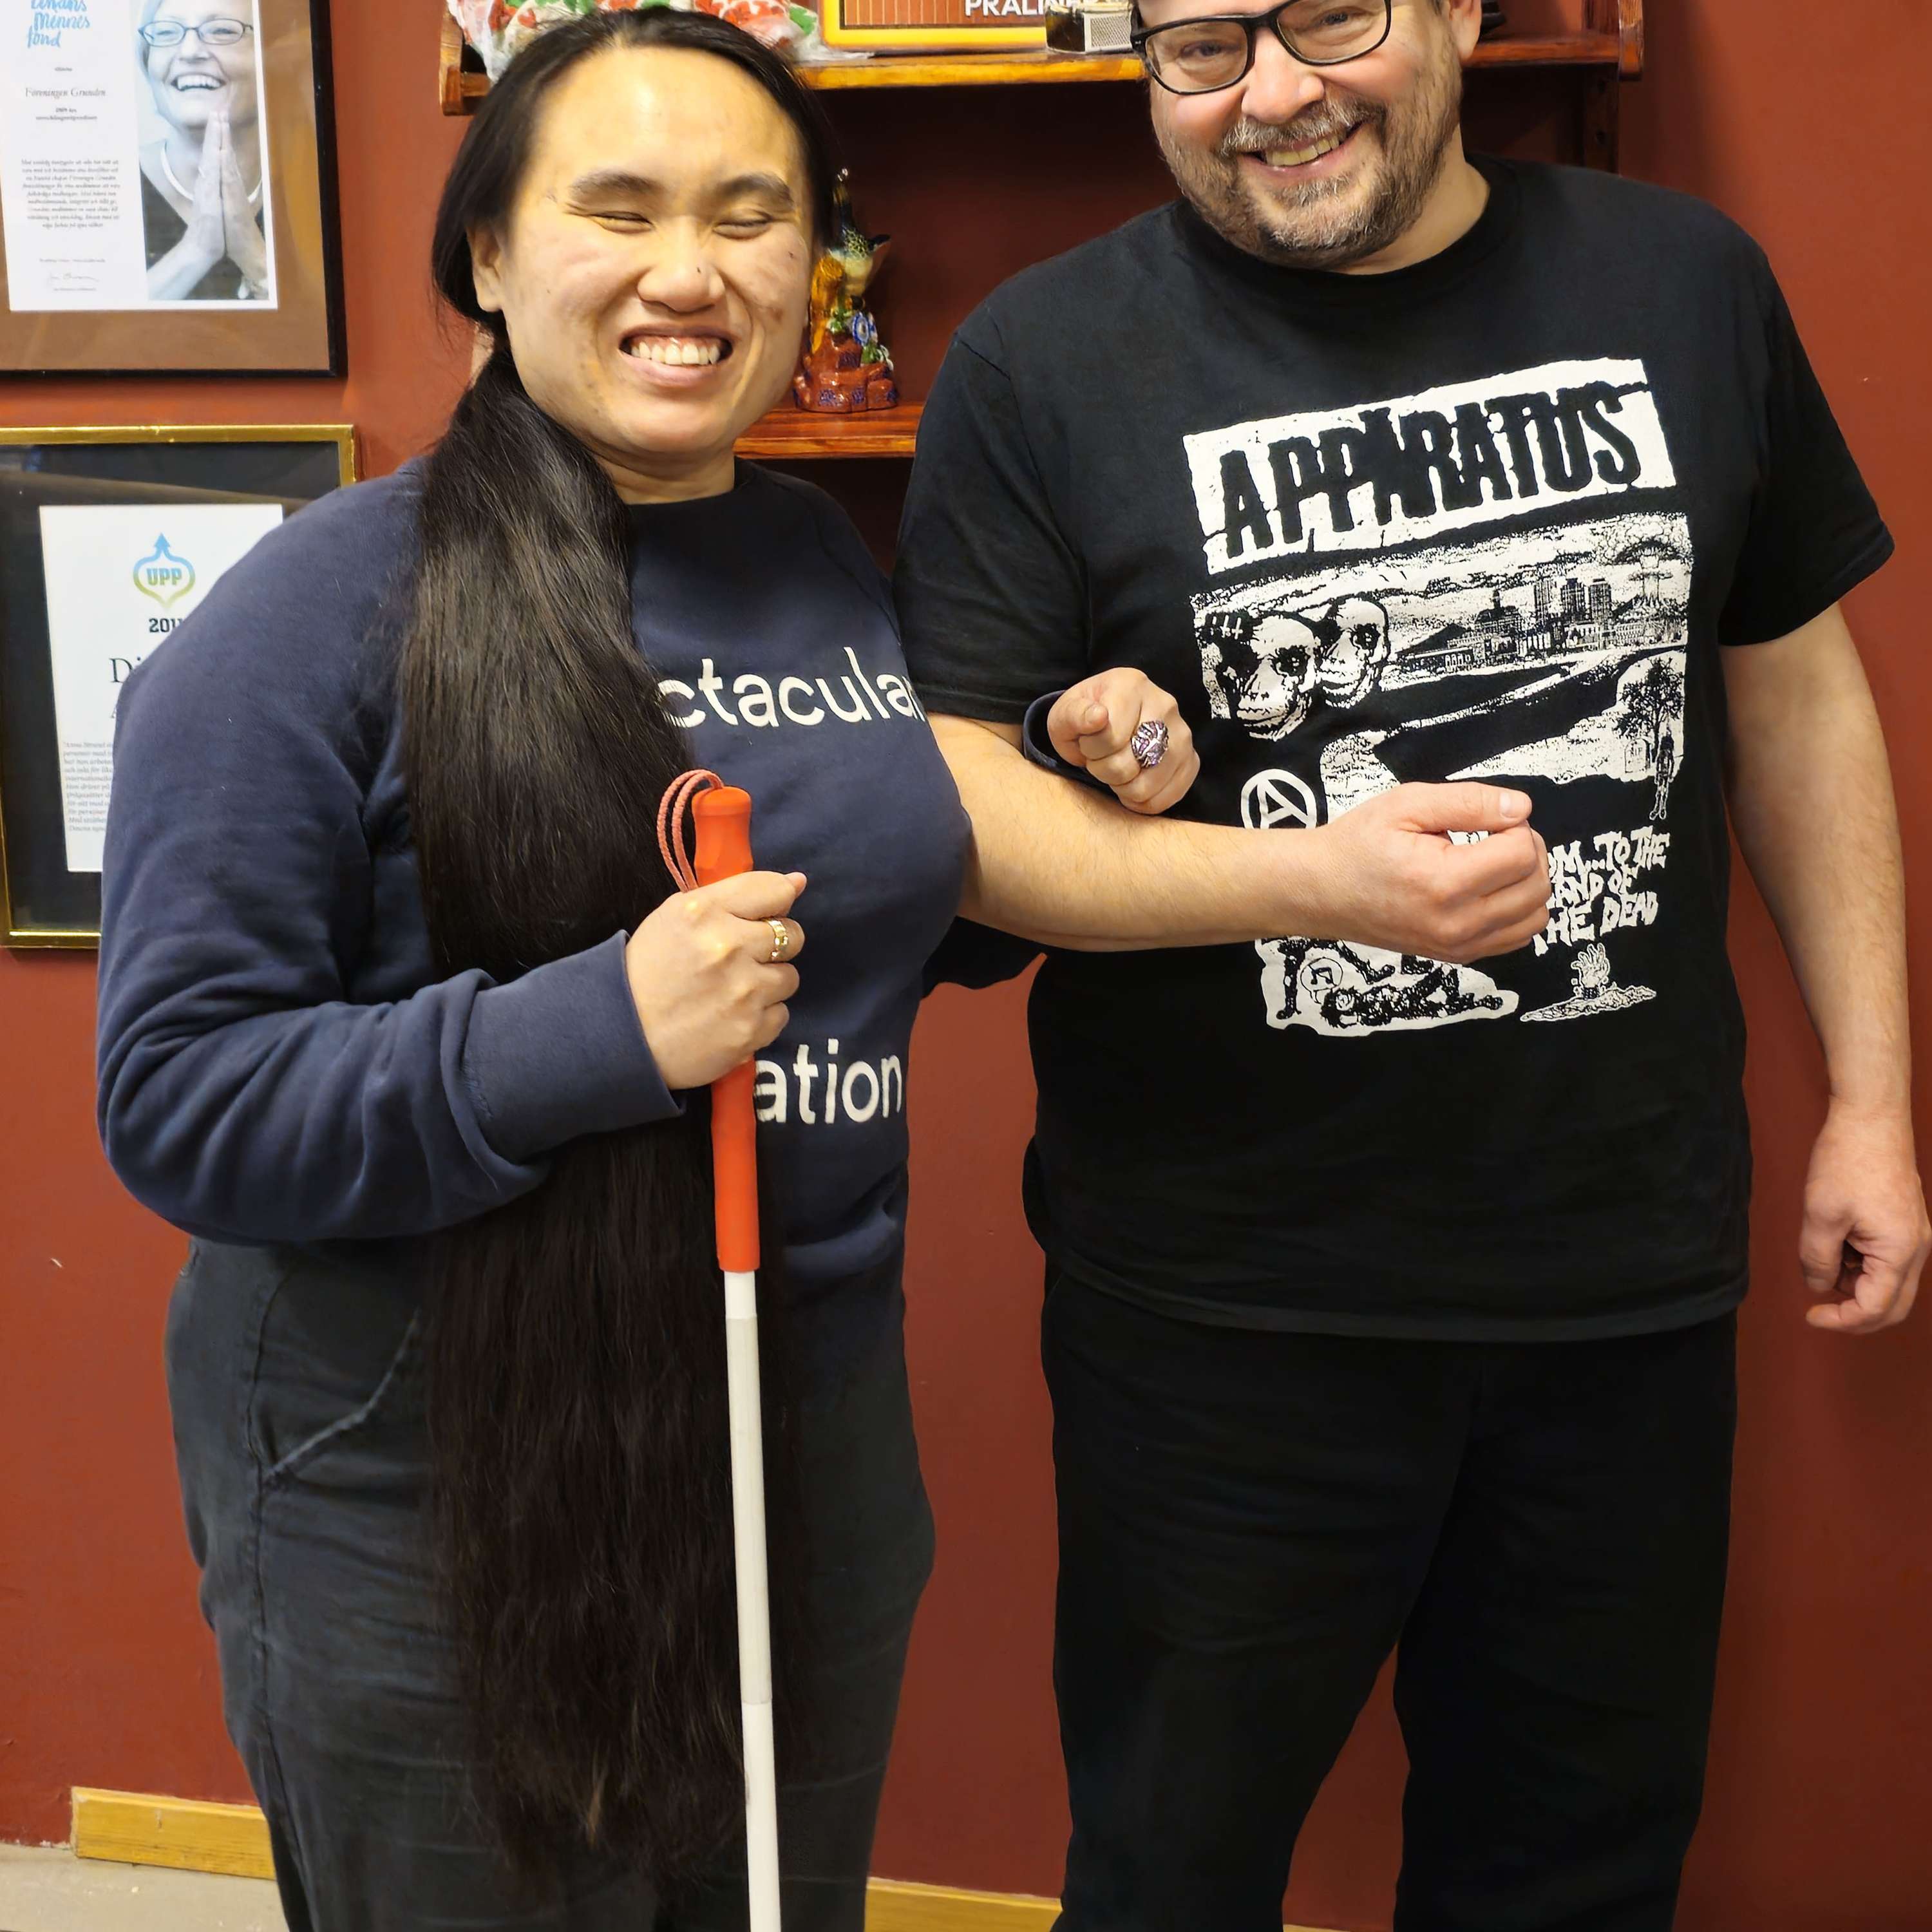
(402, 1020)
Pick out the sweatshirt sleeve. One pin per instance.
(243, 1095)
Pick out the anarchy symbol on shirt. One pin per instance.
(1272, 799)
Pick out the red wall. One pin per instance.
(1820, 1774)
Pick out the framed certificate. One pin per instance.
(109, 539)
(167, 187)
(911, 26)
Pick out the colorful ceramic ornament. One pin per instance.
(846, 367)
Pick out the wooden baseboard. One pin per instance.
(893, 1906)
(190, 1835)
(183, 1832)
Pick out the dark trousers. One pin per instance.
(1250, 1522)
(296, 1388)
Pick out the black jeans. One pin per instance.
(295, 1385)
(1249, 1523)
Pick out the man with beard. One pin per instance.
(1415, 1336)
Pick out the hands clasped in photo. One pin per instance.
(221, 223)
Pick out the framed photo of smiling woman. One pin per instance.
(167, 191)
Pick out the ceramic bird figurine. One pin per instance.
(860, 255)
(846, 366)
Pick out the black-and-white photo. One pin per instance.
(204, 181)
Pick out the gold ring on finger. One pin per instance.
(780, 940)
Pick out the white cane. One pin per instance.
(723, 816)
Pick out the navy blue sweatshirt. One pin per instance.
(278, 1061)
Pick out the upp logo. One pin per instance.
(163, 576)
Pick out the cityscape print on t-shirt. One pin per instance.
(1400, 635)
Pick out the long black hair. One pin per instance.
(580, 1475)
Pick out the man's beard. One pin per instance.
(1320, 225)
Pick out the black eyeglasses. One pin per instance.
(210, 33)
(1202, 56)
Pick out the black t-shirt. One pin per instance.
(1491, 516)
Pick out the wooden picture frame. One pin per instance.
(103, 266)
(90, 577)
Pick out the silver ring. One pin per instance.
(1149, 743)
(780, 940)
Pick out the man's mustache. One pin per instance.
(1329, 122)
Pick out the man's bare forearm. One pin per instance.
(1811, 799)
(1061, 863)
(1064, 864)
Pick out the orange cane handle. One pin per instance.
(723, 818)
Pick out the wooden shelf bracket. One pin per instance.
(1602, 91)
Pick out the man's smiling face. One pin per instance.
(1319, 167)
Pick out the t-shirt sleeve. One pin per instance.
(992, 597)
(1815, 532)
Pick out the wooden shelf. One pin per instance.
(1613, 45)
(790, 434)
(1508, 49)
(1588, 49)
(1000, 70)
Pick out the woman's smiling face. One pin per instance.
(654, 266)
(192, 80)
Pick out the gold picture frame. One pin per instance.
(99, 271)
(922, 26)
(47, 901)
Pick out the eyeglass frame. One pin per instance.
(194, 27)
(1252, 23)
